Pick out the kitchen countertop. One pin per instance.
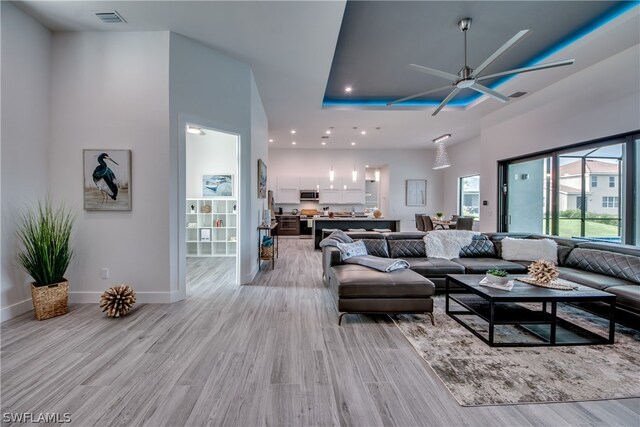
(357, 218)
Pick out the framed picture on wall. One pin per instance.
(217, 185)
(262, 179)
(416, 192)
(107, 180)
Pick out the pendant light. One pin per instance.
(442, 157)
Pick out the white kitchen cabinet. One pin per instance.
(287, 190)
(287, 196)
(309, 182)
(326, 184)
(353, 196)
(328, 196)
(288, 183)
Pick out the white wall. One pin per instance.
(213, 153)
(596, 102)
(213, 90)
(26, 53)
(109, 91)
(401, 164)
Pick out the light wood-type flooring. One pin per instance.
(269, 353)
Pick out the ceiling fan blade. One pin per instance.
(433, 72)
(527, 69)
(417, 95)
(446, 100)
(502, 50)
(489, 92)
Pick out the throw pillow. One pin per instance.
(348, 250)
(529, 249)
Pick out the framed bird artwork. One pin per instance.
(107, 180)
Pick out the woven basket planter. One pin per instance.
(50, 300)
(266, 252)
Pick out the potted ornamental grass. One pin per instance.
(44, 234)
(499, 277)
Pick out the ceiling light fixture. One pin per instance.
(293, 143)
(194, 130)
(332, 174)
(328, 132)
(293, 131)
(348, 89)
(442, 157)
(271, 140)
(353, 143)
(377, 175)
(364, 132)
(442, 138)
(323, 143)
(354, 174)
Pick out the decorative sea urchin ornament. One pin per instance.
(543, 271)
(118, 300)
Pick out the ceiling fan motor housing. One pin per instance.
(464, 24)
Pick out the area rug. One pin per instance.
(477, 374)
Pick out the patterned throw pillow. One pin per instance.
(348, 250)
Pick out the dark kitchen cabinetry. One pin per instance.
(288, 225)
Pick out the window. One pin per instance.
(610, 202)
(469, 189)
(559, 197)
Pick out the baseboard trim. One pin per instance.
(141, 297)
(15, 310)
(248, 278)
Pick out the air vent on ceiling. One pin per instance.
(110, 17)
(517, 94)
(324, 137)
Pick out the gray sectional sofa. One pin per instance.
(358, 289)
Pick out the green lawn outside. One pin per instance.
(571, 228)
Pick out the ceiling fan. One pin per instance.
(469, 78)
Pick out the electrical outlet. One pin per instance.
(104, 273)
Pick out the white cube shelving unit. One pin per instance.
(221, 221)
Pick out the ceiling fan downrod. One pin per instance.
(464, 24)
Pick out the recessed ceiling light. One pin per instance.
(293, 143)
(366, 166)
(293, 131)
(323, 143)
(364, 132)
(271, 140)
(348, 89)
(353, 143)
(328, 132)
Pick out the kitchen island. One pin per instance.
(346, 223)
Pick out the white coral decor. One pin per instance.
(543, 271)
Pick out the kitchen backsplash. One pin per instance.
(287, 208)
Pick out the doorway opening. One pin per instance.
(211, 208)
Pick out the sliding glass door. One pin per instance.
(585, 192)
(590, 202)
(527, 190)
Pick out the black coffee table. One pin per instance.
(498, 307)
